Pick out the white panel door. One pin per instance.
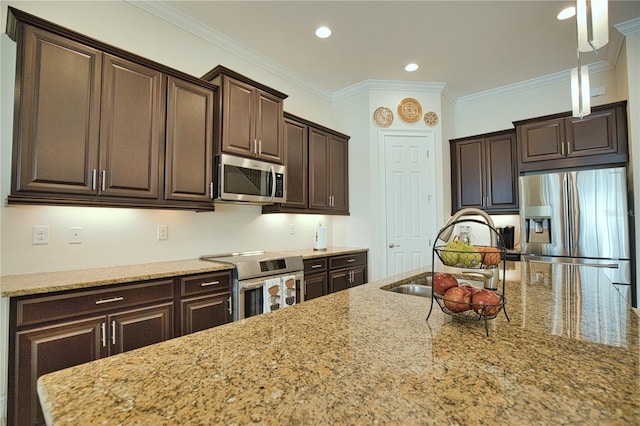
(410, 180)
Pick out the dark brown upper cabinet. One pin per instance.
(131, 130)
(94, 124)
(328, 172)
(189, 149)
(250, 116)
(484, 172)
(316, 167)
(561, 141)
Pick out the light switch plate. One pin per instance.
(163, 232)
(75, 235)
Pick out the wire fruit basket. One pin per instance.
(468, 302)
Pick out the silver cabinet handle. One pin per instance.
(103, 178)
(255, 146)
(562, 149)
(319, 265)
(260, 147)
(230, 309)
(93, 179)
(350, 260)
(211, 190)
(113, 299)
(392, 245)
(113, 332)
(209, 283)
(103, 334)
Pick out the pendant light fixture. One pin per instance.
(580, 92)
(592, 24)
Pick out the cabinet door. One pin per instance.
(238, 126)
(58, 115)
(315, 286)
(296, 149)
(140, 327)
(501, 173)
(269, 128)
(189, 142)
(469, 174)
(592, 135)
(318, 167)
(542, 140)
(338, 174)
(339, 280)
(358, 276)
(47, 349)
(205, 312)
(131, 129)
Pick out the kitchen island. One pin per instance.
(367, 355)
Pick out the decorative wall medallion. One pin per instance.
(383, 116)
(410, 110)
(431, 119)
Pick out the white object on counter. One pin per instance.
(320, 237)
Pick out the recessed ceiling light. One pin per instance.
(323, 32)
(566, 13)
(411, 67)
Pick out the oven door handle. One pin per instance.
(251, 285)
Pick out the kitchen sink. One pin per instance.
(417, 286)
(412, 289)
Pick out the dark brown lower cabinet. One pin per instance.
(315, 285)
(204, 312)
(324, 275)
(51, 348)
(205, 301)
(53, 331)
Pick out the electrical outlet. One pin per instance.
(40, 235)
(75, 235)
(163, 232)
(292, 229)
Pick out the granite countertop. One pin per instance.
(569, 355)
(45, 282)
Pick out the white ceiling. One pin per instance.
(472, 46)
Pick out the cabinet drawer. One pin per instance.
(55, 307)
(347, 260)
(205, 283)
(315, 265)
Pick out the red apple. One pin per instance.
(484, 298)
(470, 288)
(457, 299)
(442, 282)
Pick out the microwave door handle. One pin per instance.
(273, 182)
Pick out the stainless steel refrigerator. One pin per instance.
(578, 217)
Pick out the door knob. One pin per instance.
(391, 245)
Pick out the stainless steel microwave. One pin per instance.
(248, 180)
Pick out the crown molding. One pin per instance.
(398, 85)
(173, 16)
(628, 27)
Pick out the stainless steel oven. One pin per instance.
(263, 282)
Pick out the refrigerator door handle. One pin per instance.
(567, 209)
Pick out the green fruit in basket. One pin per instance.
(450, 253)
(470, 256)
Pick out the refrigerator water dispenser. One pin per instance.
(538, 224)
